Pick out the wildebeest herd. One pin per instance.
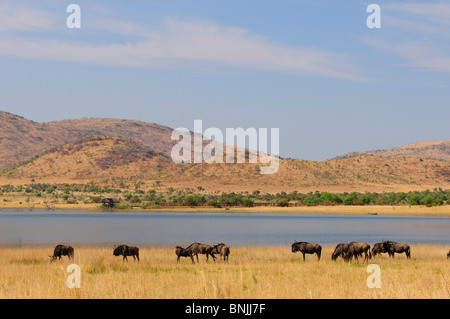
(124, 250)
(347, 251)
(208, 250)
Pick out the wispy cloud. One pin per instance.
(428, 48)
(17, 17)
(175, 44)
(436, 12)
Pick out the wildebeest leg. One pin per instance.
(124, 258)
(192, 258)
(303, 256)
(178, 258)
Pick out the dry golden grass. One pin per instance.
(262, 272)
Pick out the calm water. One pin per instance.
(168, 229)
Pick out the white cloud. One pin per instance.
(437, 12)
(174, 44)
(22, 18)
(417, 55)
(419, 33)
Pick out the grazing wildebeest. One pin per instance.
(307, 248)
(355, 249)
(184, 252)
(393, 247)
(62, 250)
(340, 250)
(223, 250)
(378, 248)
(198, 248)
(125, 251)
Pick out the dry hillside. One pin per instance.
(21, 140)
(425, 150)
(121, 161)
(125, 152)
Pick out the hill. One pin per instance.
(126, 153)
(423, 150)
(21, 140)
(123, 163)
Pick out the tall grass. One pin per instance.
(261, 272)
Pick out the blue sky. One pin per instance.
(313, 68)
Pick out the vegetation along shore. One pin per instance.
(88, 197)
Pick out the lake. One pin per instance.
(170, 229)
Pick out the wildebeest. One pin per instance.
(340, 250)
(198, 248)
(62, 250)
(124, 250)
(184, 252)
(393, 247)
(307, 248)
(223, 250)
(355, 249)
(378, 248)
(448, 254)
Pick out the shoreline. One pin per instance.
(386, 210)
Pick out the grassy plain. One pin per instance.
(252, 272)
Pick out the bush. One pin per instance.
(247, 202)
(95, 199)
(283, 202)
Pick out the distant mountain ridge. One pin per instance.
(126, 152)
(439, 150)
